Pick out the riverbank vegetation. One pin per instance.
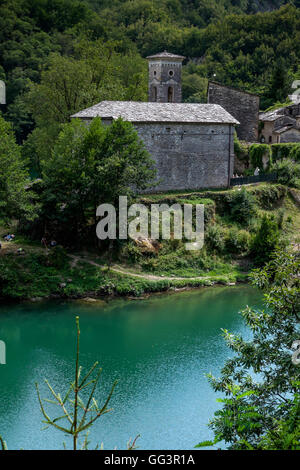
(95, 164)
(242, 228)
(57, 58)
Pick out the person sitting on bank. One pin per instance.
(9, 237)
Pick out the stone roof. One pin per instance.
(271, 115)
(135, 111)
(281, 130)
(166, 55)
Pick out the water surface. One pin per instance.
(159, 349)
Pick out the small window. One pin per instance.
(170, 95)
(270, 139)
(154, 73)
(171, 73)
(154, 93)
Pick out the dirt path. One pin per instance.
(150, 277)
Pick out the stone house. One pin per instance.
(281, 125)
(191, 144)
(242, 105)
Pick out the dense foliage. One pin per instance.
(15, 198)
(288, 172)
(261, 381)
(57, 57)
(89, 165)
(260, 156)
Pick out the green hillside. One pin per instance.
(248, 44)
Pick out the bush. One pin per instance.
(241, 150)
(288, 172)
(295, 153)
(265, 241)
(281, 151)
(58, 257)
(242, 206)
(209, 206)
(269, 195)
(214, 238)
(237, 241)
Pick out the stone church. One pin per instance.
(191, 144)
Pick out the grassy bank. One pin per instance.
(135, 269)
(35, 275)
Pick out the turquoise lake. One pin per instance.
(158, 348)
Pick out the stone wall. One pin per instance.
(189, 156)
(292, 135)
(243, 106)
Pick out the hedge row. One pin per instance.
(291, 150)
(274, 153)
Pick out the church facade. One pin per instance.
(191, 144)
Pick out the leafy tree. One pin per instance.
(261, 382)
(126, 166)
(279, 85)
(265, 241)
(66, 86)
(15, 199)
(89, 166)
(242, 206)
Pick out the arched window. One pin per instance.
(170, 94)
(154, 91)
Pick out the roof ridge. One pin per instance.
(139, 111)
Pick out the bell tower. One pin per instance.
(165, 77)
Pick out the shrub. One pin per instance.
(281, 151)
(265, 241)
(209, 206)
(242, 206)
(269, 195)
(237, 241)
(214, 238)
(288, 172)
(58, 257)
(241, 150)
(133, 252)
(295, 153)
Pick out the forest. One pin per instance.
(60, 56)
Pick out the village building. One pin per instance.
(281, 125)
(191, 144)
(243, 106)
